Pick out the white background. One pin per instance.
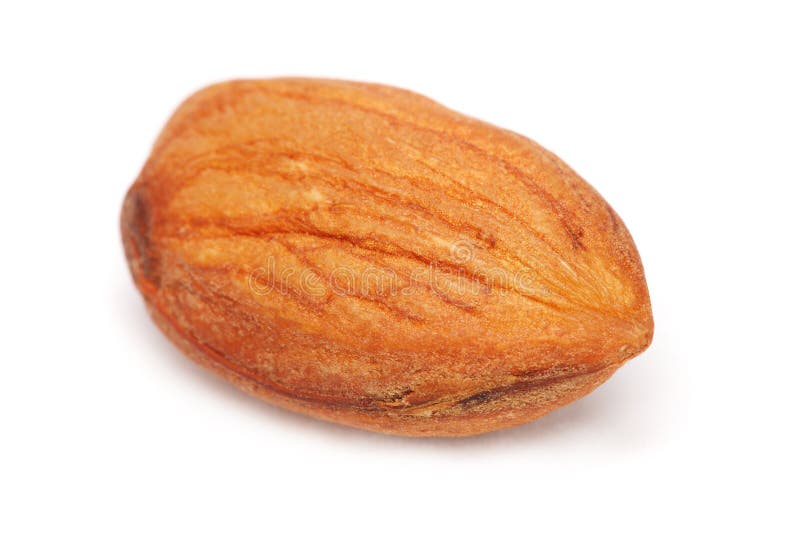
(685, 117)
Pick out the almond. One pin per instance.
(364, 255)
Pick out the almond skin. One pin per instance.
(362, 254)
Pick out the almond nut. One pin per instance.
(361, 254)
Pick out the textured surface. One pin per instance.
(362, 254)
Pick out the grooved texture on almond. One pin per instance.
(362, 254)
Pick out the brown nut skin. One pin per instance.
(361, 254)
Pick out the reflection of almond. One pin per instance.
(364, 255)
